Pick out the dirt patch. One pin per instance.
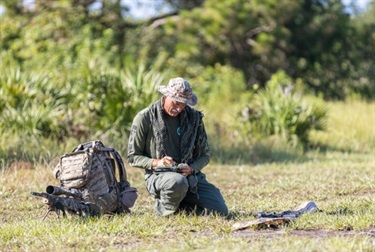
(319, 233)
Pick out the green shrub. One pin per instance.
(115, 97)
(90, 102)
(278, 110)
(30, 106)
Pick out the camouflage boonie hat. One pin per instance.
(180, 90)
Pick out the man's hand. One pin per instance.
(185, 169)
(165, 161)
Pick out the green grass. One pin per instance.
(339, 178)
(342, 185)
(351, 127)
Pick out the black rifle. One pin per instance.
(71, 205)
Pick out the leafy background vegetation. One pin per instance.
(79, 70)
(287, 89)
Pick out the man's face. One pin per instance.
(173, 107)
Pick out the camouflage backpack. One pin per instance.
(97, 174)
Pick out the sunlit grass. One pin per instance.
(351, 127)
(342, 185)
(339, 179)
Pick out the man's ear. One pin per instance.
(163, 101)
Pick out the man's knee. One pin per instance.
(177, 184)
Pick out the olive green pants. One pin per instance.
(171, 192)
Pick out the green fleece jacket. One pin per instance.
(142, 144)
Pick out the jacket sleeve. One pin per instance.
(204, 157)
(138, 154)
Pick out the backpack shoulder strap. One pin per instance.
(119, 163)
(120, 166)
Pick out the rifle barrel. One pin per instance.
(55, 190)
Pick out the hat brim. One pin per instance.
(192, 101)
